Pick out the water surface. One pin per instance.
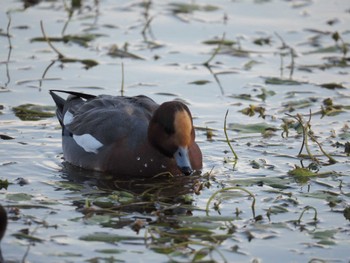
(286, 57)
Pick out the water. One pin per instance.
(63, 215)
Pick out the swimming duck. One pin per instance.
(3, 225)
(131, 136)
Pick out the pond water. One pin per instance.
(269, 62)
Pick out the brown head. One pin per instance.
(171, 132)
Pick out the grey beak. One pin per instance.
(183, 160)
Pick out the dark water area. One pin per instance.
(269, 63)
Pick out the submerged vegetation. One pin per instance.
(271, 114)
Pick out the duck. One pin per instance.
(3, 225)
(127, 136)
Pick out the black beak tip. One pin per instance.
(186, 170)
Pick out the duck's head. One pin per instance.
(171, 132)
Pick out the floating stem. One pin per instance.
(306, 209)
(306, 134)
(232, 188)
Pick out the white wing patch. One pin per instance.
(68, 118)
(88, 142)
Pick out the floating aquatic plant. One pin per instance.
(308, 134)
(252, 109)
(32, 112)
(87, 62)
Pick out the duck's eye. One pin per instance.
(180, 154)
(169, 130)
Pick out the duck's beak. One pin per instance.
(183, 161)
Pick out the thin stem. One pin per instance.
(122, 84)
(8, 31)
(45, 71)
(60, 55)
(306, 132)
(331, 159)
(306, 209)
(292, 63)
(217, 80)
(10, 50)
(232, 188)
(216, 51)
(305, 128)
(227, 139)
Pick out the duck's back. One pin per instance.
(98, 129)
(109, 118)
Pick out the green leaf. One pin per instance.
(326, 237)
(108, 237)
(330, 49)
(251, 128)
(114, 51)
(81, 40)
(266, 93)
(200, 82)
(97, 219)
(262, 41)
(190, 8)
(277, 209)
(110, 251)
(5, 137)
(4, 184)
(217, 42)
(280, 81)
(19, 197)
(332, 85)
(89, 63)
(347, 213)
(21, 235)
(69, 185)
(32, 112)
(298, 104)
(250, 64)
(200, 254)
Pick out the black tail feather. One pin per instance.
(74, 93)
(60, 102)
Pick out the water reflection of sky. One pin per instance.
(302, 27)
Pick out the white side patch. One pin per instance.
(87, 142)
(68, 118)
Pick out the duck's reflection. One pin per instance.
(163, 194)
